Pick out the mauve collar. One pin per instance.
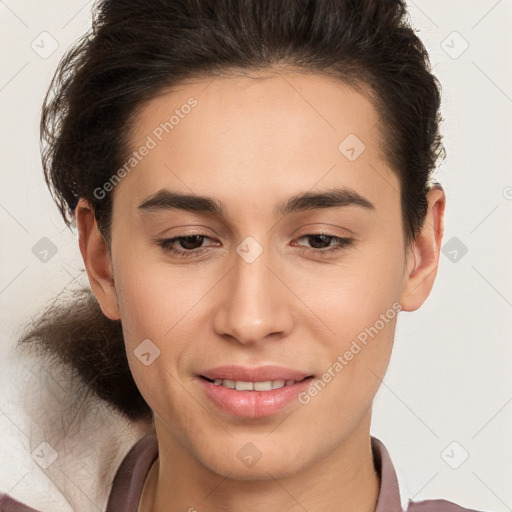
(389, 493)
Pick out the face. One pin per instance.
(290, 270)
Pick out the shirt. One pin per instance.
(131, 475)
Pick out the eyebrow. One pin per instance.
(166, 199)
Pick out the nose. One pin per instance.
(255, 305)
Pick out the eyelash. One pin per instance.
(167, 245)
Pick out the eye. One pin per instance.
(184, 246)
(324, 244)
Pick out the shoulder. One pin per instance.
(59, 441)
(394, 496)
(437, 506)
(130, 477)
(8, 504)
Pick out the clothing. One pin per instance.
(60, 444)
(131, 475)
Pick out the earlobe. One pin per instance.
(97, 260)
(423, 254)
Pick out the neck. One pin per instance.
(343, 480)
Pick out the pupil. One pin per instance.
(317, 237)
(190, 240)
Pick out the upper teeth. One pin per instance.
(241, 385)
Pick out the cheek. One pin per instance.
(163, 314)
(352, 295)
(156, 299)
(157, 333)
(359, 302)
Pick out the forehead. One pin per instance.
(279, 131)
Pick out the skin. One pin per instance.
(252, 143)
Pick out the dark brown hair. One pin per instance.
(138, 49)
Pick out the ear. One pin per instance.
(97, 259)
(423, 254)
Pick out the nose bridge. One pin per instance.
(254, 305)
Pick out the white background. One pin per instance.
(449, 378)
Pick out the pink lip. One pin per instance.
(253, 404)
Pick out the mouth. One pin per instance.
(252, 392)
(266, 385)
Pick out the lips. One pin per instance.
(255, 374)
(253, 392)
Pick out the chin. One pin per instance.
(255, 459)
